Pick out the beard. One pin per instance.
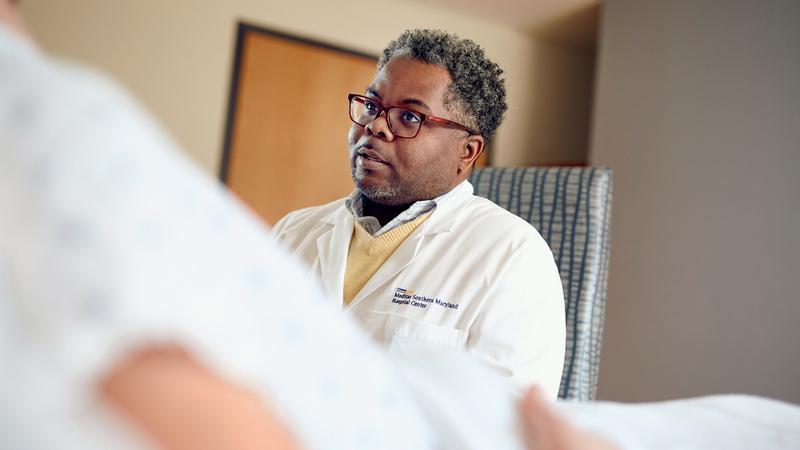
(387, 195)
(397, 191)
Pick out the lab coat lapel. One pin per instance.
(448, 214)
(332, 247)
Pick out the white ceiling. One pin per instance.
(569, 21)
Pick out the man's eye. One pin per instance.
(410, 117)
(370, 106)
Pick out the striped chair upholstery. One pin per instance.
(571, 208)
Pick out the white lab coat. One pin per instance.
(473, 276)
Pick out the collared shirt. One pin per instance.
(355, 204)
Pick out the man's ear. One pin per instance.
(471, 149)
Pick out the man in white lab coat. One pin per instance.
(412, 253)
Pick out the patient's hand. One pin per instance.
(545, 430)
(183, 406)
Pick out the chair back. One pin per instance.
(571, 209)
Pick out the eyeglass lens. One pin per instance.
(402, 122)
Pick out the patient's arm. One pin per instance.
(544, 430)
(181, 405)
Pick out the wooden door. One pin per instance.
(286, 141)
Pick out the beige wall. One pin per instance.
(559, 105)
(698, 112)
(176, 56)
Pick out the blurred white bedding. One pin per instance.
(730, 422)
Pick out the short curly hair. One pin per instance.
(477, 91)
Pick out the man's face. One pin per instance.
(391, 170)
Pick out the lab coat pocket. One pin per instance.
(400, 332)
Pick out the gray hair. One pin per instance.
(477, 91)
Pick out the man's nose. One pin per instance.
(380, 127)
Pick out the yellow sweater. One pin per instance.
(367, 254)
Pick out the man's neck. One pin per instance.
(384, 213)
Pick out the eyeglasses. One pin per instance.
(403, 122)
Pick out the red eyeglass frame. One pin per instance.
(424, 117)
